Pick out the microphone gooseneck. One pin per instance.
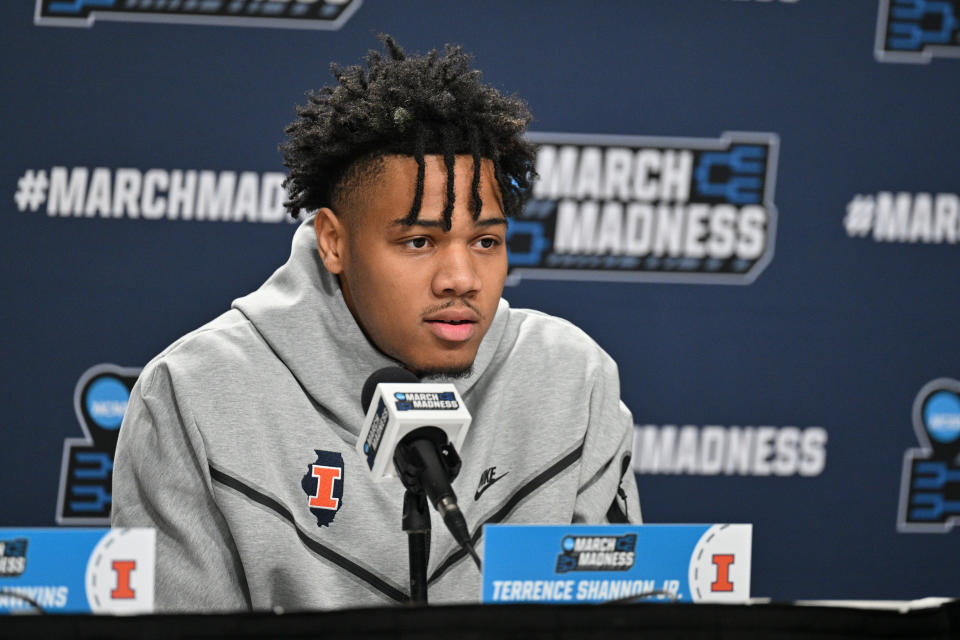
(457, 524)
(427, 462)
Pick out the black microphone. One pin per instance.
(424, 457)
(387, 374)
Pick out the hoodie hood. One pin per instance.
(302, 316)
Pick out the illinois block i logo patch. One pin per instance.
(323, 484)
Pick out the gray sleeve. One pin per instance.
(161, 479)
(608, 488)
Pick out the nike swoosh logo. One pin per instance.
(481, 489)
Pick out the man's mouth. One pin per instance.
(453, 331)
(453, 325)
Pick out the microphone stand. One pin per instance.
(416, 522)
(409, 461)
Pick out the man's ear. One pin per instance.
(331, 239)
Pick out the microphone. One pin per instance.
(412, 431)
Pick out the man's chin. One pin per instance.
(452, 371)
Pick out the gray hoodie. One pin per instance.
(224, 426)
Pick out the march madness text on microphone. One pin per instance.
(402, 407)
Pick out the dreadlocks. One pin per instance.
(412, 106)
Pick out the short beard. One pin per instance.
(450, 373)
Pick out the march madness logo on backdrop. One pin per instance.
(917, 30)
(648, 209)
(296, 14)
(930, 480)
(86, 471)
(323, 484)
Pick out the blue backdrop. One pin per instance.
(787, 336)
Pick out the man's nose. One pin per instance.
(456, 273)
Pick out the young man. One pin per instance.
(238, 444)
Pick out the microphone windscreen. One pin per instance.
(387, 374)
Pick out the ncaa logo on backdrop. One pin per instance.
(648, 209)
(917, 30)
(296, 14)
(323, 484)
(86, 469)
(930, 480)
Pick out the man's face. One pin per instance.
(423, 295)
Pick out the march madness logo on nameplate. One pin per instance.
(648, 209)
(323, 483)
(13, 557)
(597, 553)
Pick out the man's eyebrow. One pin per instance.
(439, 224)
(489, 222)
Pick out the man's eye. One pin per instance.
(489, 243)
(416, 243)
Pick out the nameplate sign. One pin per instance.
(580, 564)
(106, 571)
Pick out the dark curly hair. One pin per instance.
(408, 105)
